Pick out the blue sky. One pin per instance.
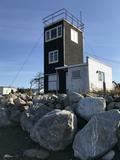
(21, 28)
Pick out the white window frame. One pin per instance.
(49, 55)
(74, 36)
(52, 82)
(50, 30)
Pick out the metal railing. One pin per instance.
(65, 15)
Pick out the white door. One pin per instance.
(75, 81)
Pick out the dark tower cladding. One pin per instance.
(63, 45)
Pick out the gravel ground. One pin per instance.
(14, 141)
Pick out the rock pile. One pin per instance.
(53, 122)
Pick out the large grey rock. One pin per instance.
(109, 156)
(3, 101)
(98, 136)
(113, 105)
(118, 136)
(29, 103)
(32, 115)
(23, 96)
(40, 99)
(55, 131)
(36, 153)
(74, 97)
(15, 114)
(109, 99)
(10, 102)
(19, 102)
(90, 106)
(4, 118)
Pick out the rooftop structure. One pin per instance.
(63, 14)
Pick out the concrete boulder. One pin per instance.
(74, 97)
(113, 105)
(32, 115)
(19, 102)
(40, 99)
(56, 130)
(109, 156)
(15, 114)
(98, 136)
(10, 102)
(90, 106)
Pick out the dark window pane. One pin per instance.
(100, 76)
(55, 55)
(53, 33)
(51, 57)
(47, 35)
(59, 31)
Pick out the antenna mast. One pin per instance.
(81, 23)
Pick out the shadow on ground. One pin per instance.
(14, 141)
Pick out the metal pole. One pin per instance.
(104, 84)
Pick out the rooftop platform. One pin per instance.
(63, 14)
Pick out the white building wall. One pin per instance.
(93, 67)
(80, 84)
(6, 90)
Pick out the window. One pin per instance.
(52, 82)
(100, 76)
(47, 35)
(76, 74)
(74, 36)
(53, 56)
(59, 30)
(53, 33)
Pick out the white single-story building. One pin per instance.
(90, 76)
(6, 90)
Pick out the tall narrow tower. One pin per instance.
(63, 46)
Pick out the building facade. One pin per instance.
(4, 90)
(90, 76)
(64, 67)
(63, 45)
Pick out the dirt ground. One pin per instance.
(14, 141)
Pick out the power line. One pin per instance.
(99, 57)
(26, 59)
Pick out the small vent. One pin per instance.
(76, 74)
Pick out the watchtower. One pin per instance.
(63, 46)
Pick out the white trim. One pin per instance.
(97, 60)
(57, 36)
(53, 52)
(60, 20)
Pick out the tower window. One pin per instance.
(52, 82)
(100, 76)
(74, 36)
(59, 30)
(47, 35)
(53, 33)
(53, 56)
